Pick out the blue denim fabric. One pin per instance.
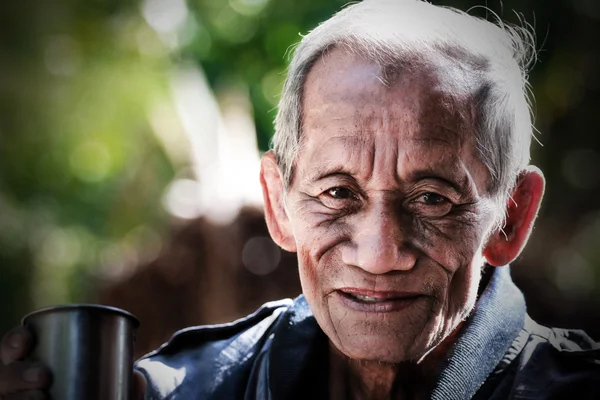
(280, 353)
(497, 320)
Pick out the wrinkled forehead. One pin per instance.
(434, 91)
(354, 112)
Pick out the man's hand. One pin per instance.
(21, 380)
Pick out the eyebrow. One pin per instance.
(320, 171)
(448, 178)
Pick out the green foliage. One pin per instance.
(79, 167)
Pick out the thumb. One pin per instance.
(139, 385)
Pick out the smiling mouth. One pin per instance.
(366, 299)
(371, 301)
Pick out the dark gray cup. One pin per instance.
(88, 348)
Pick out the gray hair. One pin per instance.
(384, 31)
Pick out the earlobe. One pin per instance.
(505, 244)
(277, 219)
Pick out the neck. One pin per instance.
(358, 379)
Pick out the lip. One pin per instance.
(390, 301)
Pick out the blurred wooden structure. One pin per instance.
(200, 278)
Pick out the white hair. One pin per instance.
(388, 32)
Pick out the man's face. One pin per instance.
(388, 206)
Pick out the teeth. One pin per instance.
(367, 298)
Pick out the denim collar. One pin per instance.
(495, 323)
(298, 362)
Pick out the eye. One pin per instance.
(341, 193)
(433, 199)
(432, 205)
(339, 198)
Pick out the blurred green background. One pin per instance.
(128, 132)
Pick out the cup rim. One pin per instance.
(81, 306)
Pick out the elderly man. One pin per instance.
(400, 176)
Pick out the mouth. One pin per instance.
(374, 301)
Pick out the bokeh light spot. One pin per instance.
(234, 27)
(61, 247)
(146, 242)
(581, 168)
(62, 55)
(198, 36)
(165, 16)
(90, 162)
(574, 275)
(261, 255)
(116, 260)
(181, 199)
(248, 7)
(148, 43)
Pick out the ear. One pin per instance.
(505, 244)
(273, 193)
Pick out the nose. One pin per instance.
(381, 243)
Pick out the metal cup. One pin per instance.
(88, 348)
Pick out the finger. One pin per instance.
(139, 385)
(22, 376)
(28, 395)
(15, 345)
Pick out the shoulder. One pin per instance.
(196, 361)
(565, 346)
(554, 363)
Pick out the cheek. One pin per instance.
(317, 236)
(319, 270)
(307, 269)
(453, 244)
(318, 277)
(456, 246)
(463, 288)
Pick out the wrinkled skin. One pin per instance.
(388, 195)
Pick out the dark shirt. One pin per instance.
(280, 353)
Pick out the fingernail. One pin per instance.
(32, 374)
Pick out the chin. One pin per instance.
(388, 337)
(388, 350)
